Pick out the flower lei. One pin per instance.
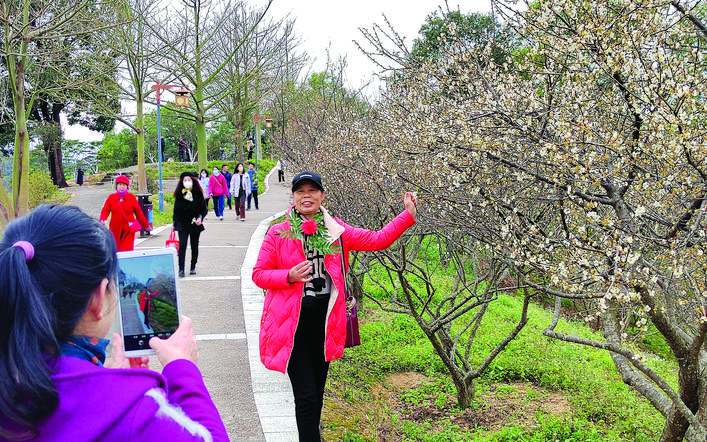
(313, 232)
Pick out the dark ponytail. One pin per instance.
(41, 302)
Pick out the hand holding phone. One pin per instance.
(118, 359)
(181, 345)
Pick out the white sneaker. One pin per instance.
(220, 218)
(243, 219)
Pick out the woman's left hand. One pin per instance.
(117, 357)
(411, 203)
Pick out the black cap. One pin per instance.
(307, 176)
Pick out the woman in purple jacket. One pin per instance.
(57, 300)
(303, 326)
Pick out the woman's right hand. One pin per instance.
(181, 345)
(300, 273)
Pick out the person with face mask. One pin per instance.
(240, 189)
(189, 212)
(218, 189)
(204, 181)
(125, 213)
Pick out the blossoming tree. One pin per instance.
(582, 161)
(579, 166)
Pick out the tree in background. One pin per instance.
(31, 32)
(189, 40)
(137, 48)
(264, 57)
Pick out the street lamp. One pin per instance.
(159, 88)
(268, 124)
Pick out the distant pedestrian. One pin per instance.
(218, 190)
(189, 212)
(162, 148)
(240, 189)
(79, 176)
(227, 175)
(182, 149)
(253, 174)
(124, 211)
(281, 173)
(204, 181)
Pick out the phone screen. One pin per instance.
(147, 297)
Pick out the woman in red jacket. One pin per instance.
(303, 326)
(124, 210)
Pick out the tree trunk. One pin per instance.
(465, 392)
(20, 164)
(141, 172)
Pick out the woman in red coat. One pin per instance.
(123, 209)
(303, 326)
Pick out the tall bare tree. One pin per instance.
(189, 41)
(258, 69)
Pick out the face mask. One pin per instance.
(188, 184)
(203, 175)
(216, 172)
(240, 169)
(121, 193)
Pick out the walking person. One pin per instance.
(240, 189)
(204, 181)
(253, 174)
(79, 176)
(162, 148)
(227, 175)
(217, 190)
(126, 216)
(303, 326)
(182, 145)
(59, 296)
(188, 214)
(147, 306)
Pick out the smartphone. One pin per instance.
(148, 298)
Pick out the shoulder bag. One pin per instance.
(134, 226)
(353, 338)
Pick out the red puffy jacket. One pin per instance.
(282, 301)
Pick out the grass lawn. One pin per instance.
(393, 387)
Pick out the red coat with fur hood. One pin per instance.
(282, 301)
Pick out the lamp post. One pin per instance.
(268, 124)
(159, 88)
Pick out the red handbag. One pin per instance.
(134, 226)
(172, 241)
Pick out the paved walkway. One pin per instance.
(256, 404)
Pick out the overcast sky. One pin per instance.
(335, 25)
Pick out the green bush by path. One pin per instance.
(43, 191)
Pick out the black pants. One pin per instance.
(254, 194)
(191, 235)
(239, 202)
(308, 368)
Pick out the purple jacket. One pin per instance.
(109, 404)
